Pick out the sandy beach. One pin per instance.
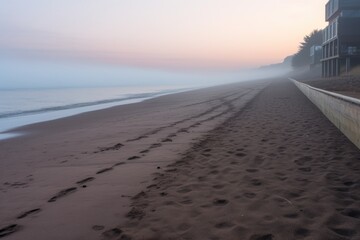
(254, 160)
(275, 170)
(180, 120)
(70, 178)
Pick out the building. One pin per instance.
(315, 56)
(341, 38)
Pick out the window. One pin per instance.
(352, 50)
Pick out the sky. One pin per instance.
(166, 34)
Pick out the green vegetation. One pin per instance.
(302, 57)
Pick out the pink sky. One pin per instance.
(161, 33)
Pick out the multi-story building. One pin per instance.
(315, 56)
(341, 40)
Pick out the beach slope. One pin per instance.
(73, 178)
(277, 169)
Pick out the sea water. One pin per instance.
(33, 90)
(19, 107)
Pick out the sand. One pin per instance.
(346, 85)
(252, 161)
(73, 178)
(276, 169)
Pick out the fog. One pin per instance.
(23, 74)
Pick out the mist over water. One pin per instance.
(23, 107)
(33, 91)
(61, 55)
(24, 74)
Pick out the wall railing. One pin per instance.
(342, 111)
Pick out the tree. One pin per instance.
(302, 57)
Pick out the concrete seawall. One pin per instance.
(342, 111)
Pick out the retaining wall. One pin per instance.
(342, 111)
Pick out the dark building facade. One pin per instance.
(315, 56)
(341, 40)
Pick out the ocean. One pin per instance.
(33, 91)
(20, 107)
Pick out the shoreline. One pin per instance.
(10, 125)
(91, 163)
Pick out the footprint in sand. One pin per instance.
(301, 232)
(341, 189)
(349, 183)
(9, 230)
(206, 155)
(346, 232)
(115, 232)
(135, 213)
(220, 202)
(98, 227)
(223, 225)
(27, 213)
(350, 212)
(249, 195)
(62, 193)
(156, 145)
(114, 147)
(118, 164)
(240, 154)
(104, 170)
(214, 172)
(256, 182)
(183, 131)
(133, 158)
(291, 215)
(282, 148)
(85, 180)
(305, 169)
(262, 237)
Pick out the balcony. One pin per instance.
(350, 51)
(331, 8)
(330, 32)
(334, 7)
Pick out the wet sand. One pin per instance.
(277, 169)
(73, 178)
